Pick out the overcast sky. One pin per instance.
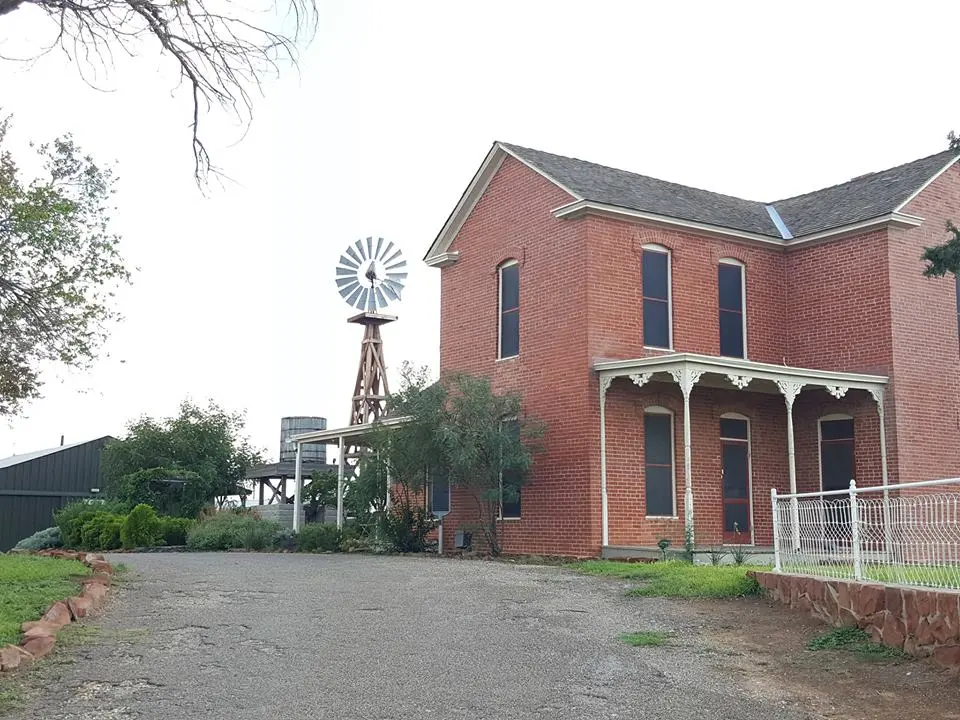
(392, 112)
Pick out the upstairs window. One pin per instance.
(657, 315)
(733, 319)
(509, 340)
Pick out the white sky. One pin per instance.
(395, 107)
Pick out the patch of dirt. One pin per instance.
(765, 645)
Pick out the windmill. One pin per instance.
(370, 275)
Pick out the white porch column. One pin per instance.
(297, 488)
(687, 378)
(877, 394)
(790, 390)
(340, 484)
(604, 532)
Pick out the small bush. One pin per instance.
(174, 530)
(228, 530)
(858, 642)
(41, 540)
(101, 532)
(318, 537)
(141, 528)
(71, 517)
(406, 528)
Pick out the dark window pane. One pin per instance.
(656, 323)
(655, 269)
(511, 501)
(440, 495)
(657, 445)
(836, 464)
(509, 287)
(731, 334)
(659, 486)
(738, 513)
(731, 287)
(732, 428)
(736, 471)
(510, 334)
(836, 429)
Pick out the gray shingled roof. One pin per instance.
(863, 198)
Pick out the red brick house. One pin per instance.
(689, 351)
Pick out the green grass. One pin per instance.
(675, 578)
(858, 642)
(646, 638)
(920, 575)
(29, 585)
(10, 699)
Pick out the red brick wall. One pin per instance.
(925, 391)
(560, 505)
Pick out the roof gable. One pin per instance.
(878, 197)
(27, 457)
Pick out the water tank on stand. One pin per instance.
(297, 425)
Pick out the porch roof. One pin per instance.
(739, 373)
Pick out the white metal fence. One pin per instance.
(907, 534)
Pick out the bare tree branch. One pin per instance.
(222, 57)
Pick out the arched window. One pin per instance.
(837, 465)
(732, 291)
(508, 340)
(658, 468)
(657, 300)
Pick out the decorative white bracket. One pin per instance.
(641, 379)
(740, 381)
(604, 386)
(686, 379)
(790, 389)
(837, 391)
(877, 393)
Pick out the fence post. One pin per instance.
(776, 531)
(855, 532)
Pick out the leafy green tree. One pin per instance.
(59, 266)
(202, 447)
(945, 258)
(222, 50)
(319, 493)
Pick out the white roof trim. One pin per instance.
(437, 255)
(579, 208)
(741, 369)
(923, 187)
(350, 432)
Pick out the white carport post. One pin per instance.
(686, 378)
(297, 489)
(877, 394)
(790, 390)
(605, 531)
(340, 484)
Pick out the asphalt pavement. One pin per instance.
(234, 636)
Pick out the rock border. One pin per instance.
(40, 636)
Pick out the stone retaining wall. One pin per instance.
(922, 622)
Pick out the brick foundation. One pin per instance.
(923, 623)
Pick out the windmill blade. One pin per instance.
(379, 246)
(346, 271)
(388, 289)
(354, 295)
(346, 282)
(386, 251)
(393, 257)
(369, 247)
(363, 253)
(362, 300)
(381, 300)
(397, 277)
(393, 287)
(397, 266)
(348, 262)
(353, 253)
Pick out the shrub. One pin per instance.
(174, 530)
(318, 537)
(228, 530)
(41, 540)
(406, 528)
(110, 532)
(141, 528)
(101, 532)
(71, 517)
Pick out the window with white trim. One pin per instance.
(733, 302)
(656, 290)
(510, 479)
(837, 463)
(508, 340)
(658, 470)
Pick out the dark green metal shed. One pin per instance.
(35, 484)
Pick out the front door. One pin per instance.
(735, 451)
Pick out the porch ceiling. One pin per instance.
(736, 373)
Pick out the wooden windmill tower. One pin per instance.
(371, 274)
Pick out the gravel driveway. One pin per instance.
(237, 636)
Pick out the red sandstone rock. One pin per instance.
(911, 615)
(58, 614)
(9, 658)
(893, 632)
(926, 603)
(893, 601)
(97, 579)
(867, 599)
(923, 632)
(843, 595)
(947, 606)
(947, 656)
(79, 606)
(94, 557)
(94, 593)
(100, 566)
(942, 632)
(847, 618)
(38, 646)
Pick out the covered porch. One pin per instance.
(740, 422)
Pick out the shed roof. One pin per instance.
(26, 457)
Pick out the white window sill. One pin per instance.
(661, 517)
(660, 349)
(509, 519)
(505, 359)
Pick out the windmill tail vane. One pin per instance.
(371, 274)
